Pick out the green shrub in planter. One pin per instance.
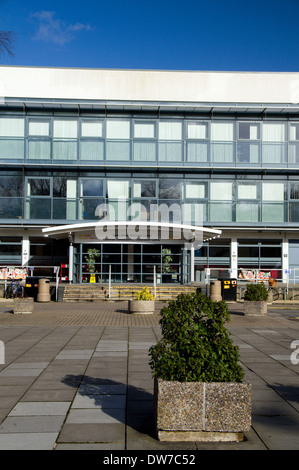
(195, 345)
(256, 292)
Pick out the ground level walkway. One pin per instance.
(76, 376)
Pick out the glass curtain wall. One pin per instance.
(205, 142)
(130, 263)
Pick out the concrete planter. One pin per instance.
(258, 307)
(23, 305)
(198, 411)
(141, 306)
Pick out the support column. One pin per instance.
(71, 258)
(234, 258)
(285, 260)
(192, 267)
(25, 250)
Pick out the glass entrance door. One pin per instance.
(131, 263)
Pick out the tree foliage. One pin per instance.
(7, 43)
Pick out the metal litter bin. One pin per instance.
(229, 289)
(215, 291)
(43, 290)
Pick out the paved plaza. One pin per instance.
(76, 376)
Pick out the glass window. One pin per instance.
(92, 128)
(170, 152)
(145, 188)
(250, 131)
(12, 138)
(118, 130)
(143, 130)
(92, 187)
(39, 187)
(170, 189)
(64, 187)
(11, 186)
(118, 189)
(221, 191)
(222, 131)
(12, 127)
(65, 143)
(273, 209)
(10, 247)
(197, 151)
(294, 131)
(195, 190)
(294, 193)
(247, 191)
(273, 192)
(118, 151)
(39, 149)
(39, 127)
(248, 152)
(197, 130)
(65, 129)
(170, 130)
(145, 151)
(273, 132)
(219, 251)
(91, 150)
(247, 212)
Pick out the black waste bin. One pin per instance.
(229, 289)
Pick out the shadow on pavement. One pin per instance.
(127, 404)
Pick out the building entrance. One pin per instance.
(94, 263)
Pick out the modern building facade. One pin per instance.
(212, 154)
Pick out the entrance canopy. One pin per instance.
(132, 232)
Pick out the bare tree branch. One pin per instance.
(7, 42)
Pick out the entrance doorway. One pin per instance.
(130, 263)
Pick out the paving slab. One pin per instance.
(28, 441)
(31, 424)
(99, 401)
(77, 377)
(40, 409)
(103, 416)
(93, 432)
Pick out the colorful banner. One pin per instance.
(252, 275)
(10, 272)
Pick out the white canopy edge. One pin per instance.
(60, 230)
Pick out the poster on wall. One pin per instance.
(11, 272)
(252, 275)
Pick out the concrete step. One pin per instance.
(94, 292)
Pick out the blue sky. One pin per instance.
(149, 34)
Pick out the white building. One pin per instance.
(80, 147)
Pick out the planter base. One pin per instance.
(142, 306)
(199, 411)
(24, 305)
(199, 436)
(255, 308)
